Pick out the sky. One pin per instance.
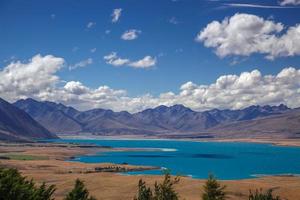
(137, 54)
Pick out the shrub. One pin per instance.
(260, 195)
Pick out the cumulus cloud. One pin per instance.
(246, 34)
(82, 63)
(38, 79)
(131, 34)
(75, 87)
(19, 79)
(115, 60)
(289, 2)
(116, 15)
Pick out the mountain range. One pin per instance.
(173, 122)
(17, 125)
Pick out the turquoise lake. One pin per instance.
(226, 160)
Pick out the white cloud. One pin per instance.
(246, 5)
(91, 24)
(116, 15)
(75, 87)
(26, 79)
(82, 63)
(38, 79)
(289, 2)
(115, 60)
(145, 62)
(246, 34)
(131, 34)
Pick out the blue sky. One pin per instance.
(167, 33)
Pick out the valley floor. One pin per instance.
(46, 163)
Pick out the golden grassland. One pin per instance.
(114, 186)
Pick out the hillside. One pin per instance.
(57, 118)
(286, 125)
(17, 125)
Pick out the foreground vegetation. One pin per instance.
(13, 186)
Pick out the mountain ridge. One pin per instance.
(161, 120)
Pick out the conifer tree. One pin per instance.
(79, 192)
(144, 192)
(165, 190)
(162, 191)
(213, 190)
(13, 186)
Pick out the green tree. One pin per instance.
(44, 192)
(144, 192)
(79, 192)
(165, 190)
(260, 195)
(13, 186)
(162, 191)
(213, 190)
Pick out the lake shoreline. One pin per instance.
(277, 141)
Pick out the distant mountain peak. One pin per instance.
(160, 107)
(28, 100)
(180, 107)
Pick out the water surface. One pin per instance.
(227, 160)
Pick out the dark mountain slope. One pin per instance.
(57, 118)
(15, 124)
